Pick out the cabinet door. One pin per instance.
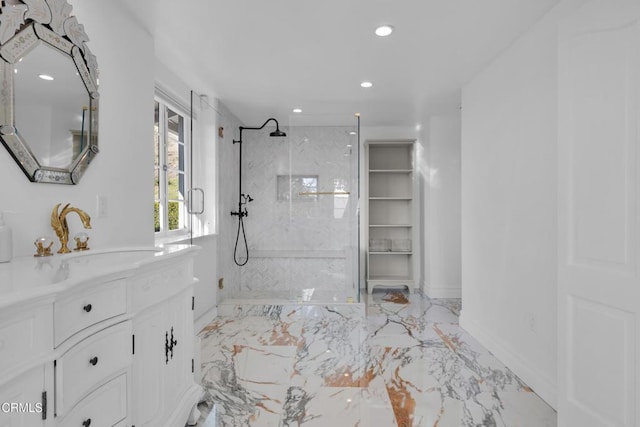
(149, 367)
(180, 326)
(21, 400)
(162, 360)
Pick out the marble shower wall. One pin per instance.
(299, 242)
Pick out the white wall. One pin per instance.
(509, 124)
(123, 171)
(442, 219)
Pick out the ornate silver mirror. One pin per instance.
(48, 90)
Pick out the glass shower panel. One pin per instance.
(303, 226)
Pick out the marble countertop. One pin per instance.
(26, 278)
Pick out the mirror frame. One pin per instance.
(23, 26)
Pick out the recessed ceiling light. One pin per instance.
(45, 77)
(366, 84)
(297, 110)
(384, 30)
(353, 132)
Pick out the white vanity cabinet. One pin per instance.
(98, 339)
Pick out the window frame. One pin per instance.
(161, 140)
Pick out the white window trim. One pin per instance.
(165, 235)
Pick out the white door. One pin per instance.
(599, 200)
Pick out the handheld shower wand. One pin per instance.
(244, 199)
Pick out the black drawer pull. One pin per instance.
(87, 308)
(94, 360)
(87, 422)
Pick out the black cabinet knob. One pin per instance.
(87, 308)
(87, 422)
(94, 360)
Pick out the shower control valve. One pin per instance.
(241, 213)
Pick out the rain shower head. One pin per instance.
(277, 132)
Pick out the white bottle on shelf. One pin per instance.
(6, 241)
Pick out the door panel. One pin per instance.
(599, 287)
(602, 166)
(601, 370)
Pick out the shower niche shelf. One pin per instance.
(391, 212)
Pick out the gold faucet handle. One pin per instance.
(82, 239)
(43, 247)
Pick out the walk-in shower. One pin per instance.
(243, 199)
(295, 212)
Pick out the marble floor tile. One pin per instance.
(399, 359)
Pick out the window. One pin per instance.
(171, 174)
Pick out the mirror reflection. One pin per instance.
(49, 97)
(51, 106)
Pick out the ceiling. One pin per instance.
(264, 58)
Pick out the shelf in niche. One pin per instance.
(391, 253)
(405, 171)
(390, 278)
(391, 206)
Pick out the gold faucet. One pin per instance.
(59, 224)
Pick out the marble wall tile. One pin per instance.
(319, 223)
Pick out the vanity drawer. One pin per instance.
(25, 335)
(104, 407)
(90, 363)
(85, 308)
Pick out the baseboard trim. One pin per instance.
(435, 291)
(540, 382)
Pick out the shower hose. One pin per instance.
(246, 247)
